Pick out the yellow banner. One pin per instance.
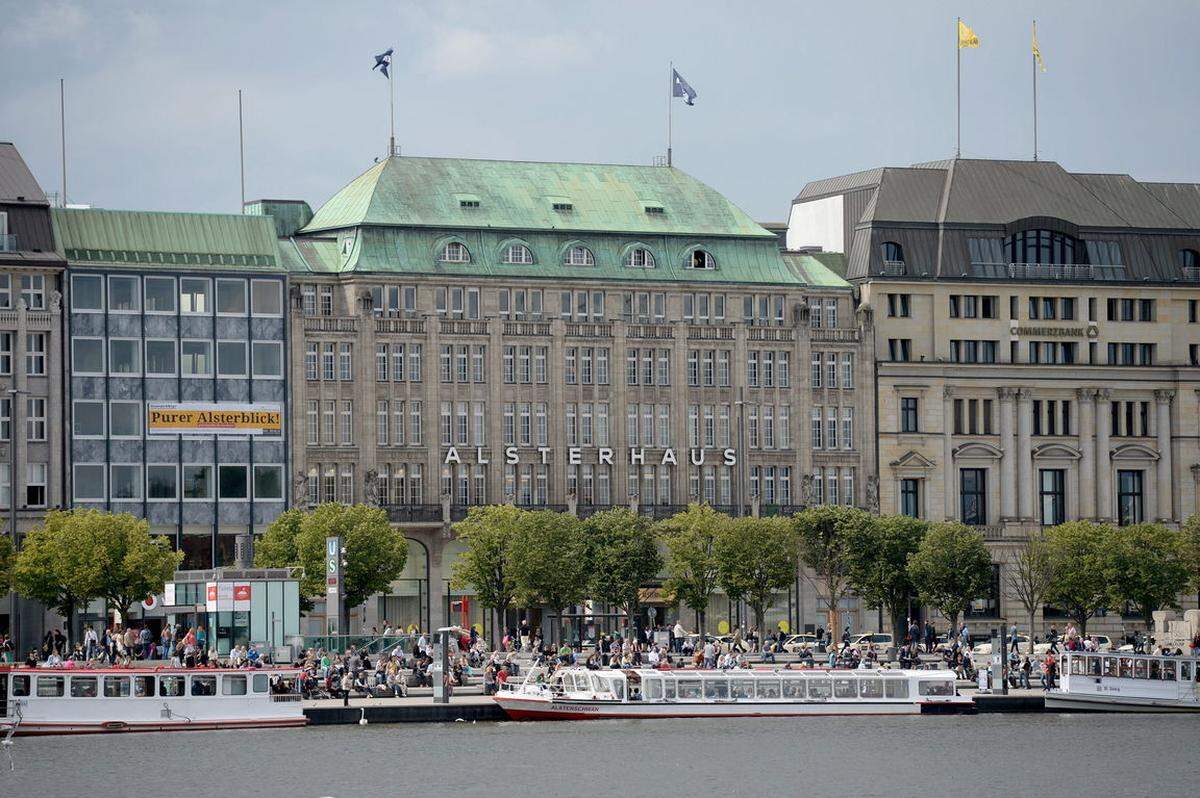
(165, 418)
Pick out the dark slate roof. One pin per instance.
(17, 183)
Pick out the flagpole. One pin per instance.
(1033, 63)
(958, 88)
(670, 107)
(62, 129)
(241, 151)
(391, 108)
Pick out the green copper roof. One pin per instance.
(525, 195)
(823, 269)
(202, 240)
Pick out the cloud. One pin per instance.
(460, 52)
(45, 22)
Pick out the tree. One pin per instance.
(1030, 575)
(79, 555)
(877, 564)
(1192, 530)
(6, 563)
(825, 532)
(624, 557)
(486, 563)
(756, 558)
(1147, 566)
(550, 561)
(1076, 551)
(692, 567)
(375, 551)
(951, 568)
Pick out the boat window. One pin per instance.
(793, 688)
(845, 688)
(1155, 669)
(820, 688)
(1110, 666)
(170, 686)
(1139, 669)
(50, 686)
(1126, 668)
(689, 688)
(742, 688)
(1185, 671)
(116, 686)
(895, 688)
(143, 686)
(1168, 671)
(1078, 666)
(20, 686)
(84, 686)
(261, 683)
(1095, 665)
(870, 688)
(717, 689)
(768, 688)
(652, 689)
(233, 685)
(204, 685)
(939, 687)
(669, 690)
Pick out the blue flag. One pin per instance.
(681, 88)
(382, 62)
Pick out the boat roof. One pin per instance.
(759, 672)
(164, 670)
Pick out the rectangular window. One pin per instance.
(908, 414)
(35, 485)
(87, 419)
(87, 355)
(88, 480)
(1129, 498)
(195, 358)
(268, 482)
(910, 497)
(125, 482)
(231, 297)
(125, 419)
(194, 296)
(232, 482)
(123, 294)
(160, 358)
(345, 361)
(1052, 493)
(35, 354)
(266, 298)
(231, 358)
(267, 357)
(162, 482)
(87, 293)
(973, 496)
(124, 356)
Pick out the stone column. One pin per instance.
(1008, 465)
(1087, 448)
(1024, 455)
(1104, 506)
(948, 487)
(1165, 474)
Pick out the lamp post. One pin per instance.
(14, 621)
(740, 404)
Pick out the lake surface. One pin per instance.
(1011, 755)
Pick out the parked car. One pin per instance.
(797, 643)
(985, 649)
(1103, 643)
(884, 644)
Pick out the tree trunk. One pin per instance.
(760, 612)
(953, 626)
(1032, 615)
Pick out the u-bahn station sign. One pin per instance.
(637, 455)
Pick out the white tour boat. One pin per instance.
(1123, 682)
(76, 701)
(575, 693)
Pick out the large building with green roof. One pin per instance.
(566, 336)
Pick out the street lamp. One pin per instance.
(14, 622)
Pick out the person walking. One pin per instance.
(1012, 638)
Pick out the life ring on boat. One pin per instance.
(114, 725)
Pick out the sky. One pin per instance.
(788, 91)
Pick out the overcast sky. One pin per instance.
(789, 91)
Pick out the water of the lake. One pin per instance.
(985, 755)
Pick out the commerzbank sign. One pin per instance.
(636, 455)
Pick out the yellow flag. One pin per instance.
(966, 36)
(1037, 51)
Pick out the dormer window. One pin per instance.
(892, 252)
(454, 252)
(347, 245)
(701, 259)
(654, 209)
(579, 256)
(639, 258)
(1189, 259)
(468, 203)
(563, 205)
(517, 254)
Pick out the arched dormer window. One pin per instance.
(639, 258)
(516, 254)
(578, 255)
(892, 252)
(700, 259)
(1044, 247)
(1189, 259)
(455, 252)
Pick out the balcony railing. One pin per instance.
(1191, 274)
(715, 332)
(990, 532)
(414, 513)
(780, 334)
(824, 335)
(8, 242)
(1048, 271)
(582, 330)
(660, 332)
(894, 268)
(461, 327)
(334, 324)
(539, 329)
(661, 511)
(413, 326)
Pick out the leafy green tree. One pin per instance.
(951, 568)
(756, 558)
(1076, 551)
(1147, 566)
(79, 555)
(691, 562)
(486, 563)
(375, 551)
(550, 561)
(825, 532)
(1029, 576)
(624, 557)
(6, 563)
(877, 564)
(1192, 530)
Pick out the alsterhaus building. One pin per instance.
(565, 336)
(1036, 334)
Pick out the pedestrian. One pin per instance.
(1012, 636)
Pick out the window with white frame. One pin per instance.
(267, 359)
(194, 296)
(231, 297)
(124, 356)
(125, 482)
(87, 293)
(35, 354)
(33, 291)
(232, 482)
(308, 299)
(6, 292)
(160, 358)
(125, 419)
(87, 356)
(454, 252)
(195, 358)
(579, 256)
(268, 482)
(639, 258)
(701, 259)
(266, 298)
(517, 254)
(198, 482)
(231, 358)
(124, 294)
(35, 485)
(160, 294)
(35, 419)
(162, 482)
(87, 419)
(87, 479)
